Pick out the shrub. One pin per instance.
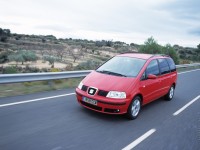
(102, 58)
(3, 39)
(55, 70)
(4, 56)
(184, 61)
(69, 67)
(10, 70)
(31, 69)
(27, 83)
(44, 70)
(58, 81)
(88, 65)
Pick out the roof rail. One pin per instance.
(129, 52)
(164, 55)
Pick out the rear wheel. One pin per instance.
(170, 94)
(134, 108)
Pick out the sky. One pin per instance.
(130, 21)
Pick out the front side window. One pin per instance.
(122, 66)
(164, 67)
(153, 68)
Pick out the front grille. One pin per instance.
(102, 93)
(91, 106)
(84, 88)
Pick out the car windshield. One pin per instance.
(122, 66)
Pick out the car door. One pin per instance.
(165, 77)
(150, 88)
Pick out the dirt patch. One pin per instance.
(38, 64)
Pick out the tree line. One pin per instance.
(4, 34)
(151, 46)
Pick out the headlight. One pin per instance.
(116, 94)
(80, 85)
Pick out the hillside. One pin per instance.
(66, 54)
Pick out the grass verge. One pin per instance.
(38, 86)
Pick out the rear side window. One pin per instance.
(153, 68)
(171, 64)
(164, 67)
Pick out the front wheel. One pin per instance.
(170, 94)
(134, 108)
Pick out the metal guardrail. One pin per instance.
(28, 77)
(187, 65)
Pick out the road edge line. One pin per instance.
(34, 100)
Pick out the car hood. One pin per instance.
(108, 82)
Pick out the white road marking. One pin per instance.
(187, 105)
(188, 71)
(34, 100)
(8, 90)
(139, 140)
(57, 148)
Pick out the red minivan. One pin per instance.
(126, 82)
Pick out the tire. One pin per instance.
(169, 96)
(134, 108)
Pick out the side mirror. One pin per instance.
(151, 76)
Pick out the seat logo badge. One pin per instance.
(91, 91)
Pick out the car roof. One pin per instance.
(143, 56)
(136, 55)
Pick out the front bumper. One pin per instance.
(104, 104)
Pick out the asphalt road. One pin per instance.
(60, 123)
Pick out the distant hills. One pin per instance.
(75, 52)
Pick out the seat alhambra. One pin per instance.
(126, 82)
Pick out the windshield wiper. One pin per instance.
(111, 73)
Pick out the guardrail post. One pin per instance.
(51, 83)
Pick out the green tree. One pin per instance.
(150, 47)
(4, 34)
(198, 49)
(23, 56)
(4, 56)
(17, 58)
(198, 46)
(51, 60)
(169, 50)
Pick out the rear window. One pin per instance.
(171, 64)
(164, 67)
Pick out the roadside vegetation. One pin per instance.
(21, 53)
